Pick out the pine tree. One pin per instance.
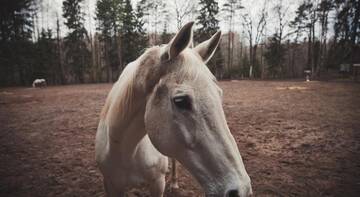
(109, 16)
(274, 56)
(305, 21)
(77, 53)
(16, 20)
(129, 34)
(140, 30)
(208, 25)
(16, 48)
(207, 21)
(346, 29)
(104, 17)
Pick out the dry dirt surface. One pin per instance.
(296, 139)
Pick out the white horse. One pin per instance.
(39, 83)
(167, 104)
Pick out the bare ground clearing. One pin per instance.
(296, 139)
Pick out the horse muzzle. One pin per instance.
(246, 192)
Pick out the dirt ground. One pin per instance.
(296, 139)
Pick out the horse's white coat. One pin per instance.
(39, 83)
(139, 119)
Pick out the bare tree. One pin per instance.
(183, 9)
(157, 11)
(231, 9)
(281, 12)
(254, 28)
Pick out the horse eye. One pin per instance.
(182, 102)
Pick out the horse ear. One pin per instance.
(207, 48)
(181, 40)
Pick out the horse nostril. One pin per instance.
(233, 193)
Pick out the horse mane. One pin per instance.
(119, 102)
(120, 96)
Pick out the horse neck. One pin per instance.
(125, 116)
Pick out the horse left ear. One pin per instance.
(181, 40)
(207, 48)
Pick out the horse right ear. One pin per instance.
(207, 48)
(181, 40)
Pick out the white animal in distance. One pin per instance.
(39, 83)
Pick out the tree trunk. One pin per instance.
(309, 65)
(261, 62)
(250, 59)
(354, 32)
(107, 62)
(120, 68)
(313, 62)
(293, 61)
(254, 58)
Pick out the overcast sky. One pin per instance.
(52, 9)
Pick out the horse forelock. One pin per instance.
(190, 67)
